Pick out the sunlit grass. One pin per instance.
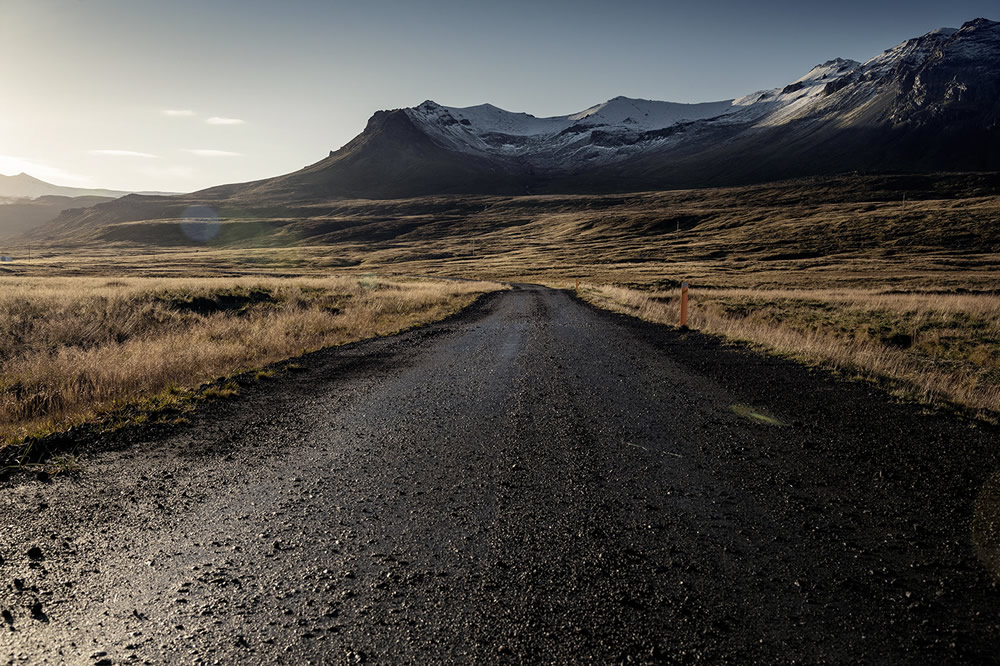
(936, 347)
(72, 349)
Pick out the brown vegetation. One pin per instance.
(927, 232)
(74, 348)
(936, 347)
(806, 267)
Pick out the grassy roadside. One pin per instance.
(73, 350)
(937, 348)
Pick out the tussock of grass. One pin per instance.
(227, 390)
(72, 349)
(936, 347)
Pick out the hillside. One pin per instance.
(818, 230)
(20, 216)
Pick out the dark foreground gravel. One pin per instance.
(532, 482)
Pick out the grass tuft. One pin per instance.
(227, 390)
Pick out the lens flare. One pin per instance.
(200, 223)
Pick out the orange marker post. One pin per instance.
(684, 304)
(578, 284)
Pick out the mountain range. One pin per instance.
(929, 104)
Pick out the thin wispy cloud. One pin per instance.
(204, 152)
(218, 120)
(178, 113)
(123, 153)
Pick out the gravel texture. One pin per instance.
(532, 481)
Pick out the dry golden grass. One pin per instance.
(75, 348)
(936, 347)
(830, 232)
(803, 267)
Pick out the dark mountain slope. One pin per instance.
(391, 158)
(928, 105)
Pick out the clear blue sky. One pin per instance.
(260, 88)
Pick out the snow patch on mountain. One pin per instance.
(909, 53)
(643, 114)
(781, 105)
(840, 91)
(623, 112)
(621, 123)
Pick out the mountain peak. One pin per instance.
(979, 24)
(22, 178)
(929, 103)
(840, 62)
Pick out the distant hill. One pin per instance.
(23, 186)
(27, 203)
(930, 212)
(20, 216)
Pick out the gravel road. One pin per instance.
(532, 481)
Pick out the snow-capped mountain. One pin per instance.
(607, 132)
(619, 128)
(947, 73)
(929, 104)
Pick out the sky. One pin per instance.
(180, 95)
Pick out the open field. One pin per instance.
(936, 347)
(899, 232)
(73, 349)
(880, 276)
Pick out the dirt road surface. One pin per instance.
(533, 481)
